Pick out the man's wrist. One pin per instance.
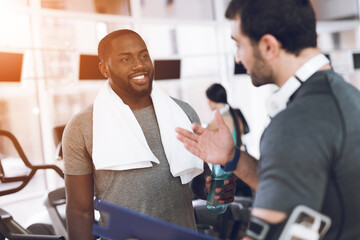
(231, 166)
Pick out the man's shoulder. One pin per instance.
(182, 104)
(188, 109)
(80, 120)
(332, 80)
(84, 115)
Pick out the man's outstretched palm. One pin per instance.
(213, 146)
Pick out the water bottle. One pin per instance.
(218, 176)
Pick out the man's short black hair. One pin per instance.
(105, 47)
(291, 22)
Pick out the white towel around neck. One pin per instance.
(119, 142)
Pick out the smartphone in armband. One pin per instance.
(305, 223)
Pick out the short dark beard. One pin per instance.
(264, 74)
(130, 89)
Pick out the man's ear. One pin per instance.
(104, 69)
(269, 46)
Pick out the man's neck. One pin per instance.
(288, 64)
(134, 102)
(140, 103)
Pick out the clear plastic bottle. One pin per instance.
(218, 176)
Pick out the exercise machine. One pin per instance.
(9, 227)
(230, 225)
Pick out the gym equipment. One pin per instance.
(9, 228)
(230, 225)
(125, 223)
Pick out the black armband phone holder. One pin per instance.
(303, 222)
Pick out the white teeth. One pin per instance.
(139, 77)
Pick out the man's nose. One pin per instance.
(137, 63)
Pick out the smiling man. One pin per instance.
(123, 148)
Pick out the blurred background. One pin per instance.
(48, 68)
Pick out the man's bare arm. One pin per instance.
(246, 170)
(79, 206)
(198, 183)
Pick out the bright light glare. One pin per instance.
(35, 111)
(14, 27)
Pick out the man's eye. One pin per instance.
(125, 59)
(145, 56)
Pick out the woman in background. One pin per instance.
(234, 120)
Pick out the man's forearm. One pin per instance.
(198, 183)
(198, 187)
(79, 225)
(246, 170)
